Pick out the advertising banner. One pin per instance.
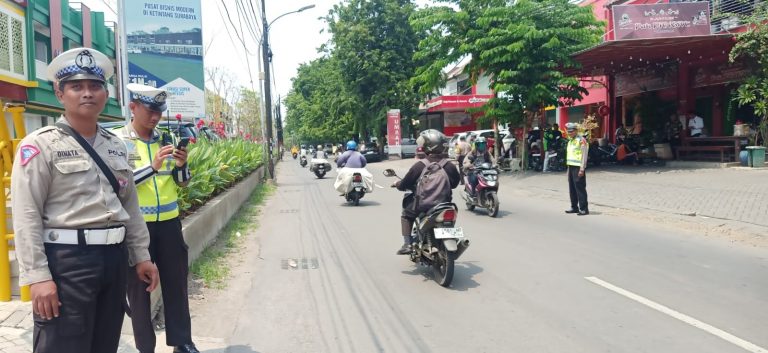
(444, 103)
(165, 49)
(682, 19)
(644, 80)
(393, 128)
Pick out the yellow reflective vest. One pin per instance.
(575, 153)
(157, 191)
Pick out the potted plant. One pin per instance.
(751, 49)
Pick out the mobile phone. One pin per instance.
(183, 143)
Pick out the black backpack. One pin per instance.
(433, 186)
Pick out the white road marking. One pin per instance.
(379, 186)
(751, 347)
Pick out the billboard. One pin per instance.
(165, 49)
(682, 19)
(393, 129)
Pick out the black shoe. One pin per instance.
(572, 211)
(405, 249)
(186, 348)
(583, 213)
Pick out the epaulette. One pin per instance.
(107, 131)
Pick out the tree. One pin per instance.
(374, 44)
(248, 108)
(751, 48)
(525, 46)
(223, 92)
(319, 107)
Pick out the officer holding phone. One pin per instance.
(159, 168)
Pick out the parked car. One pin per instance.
(209, 134)
(408, 148)
(180, 129)
(371, 153)
(487, 133)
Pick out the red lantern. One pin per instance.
(604, 110)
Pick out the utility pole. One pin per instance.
(267, 86)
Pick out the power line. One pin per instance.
(242, 41)
(231, 40)
(242, 11)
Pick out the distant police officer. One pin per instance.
(75, 213)
(576, 160)
(159, 168)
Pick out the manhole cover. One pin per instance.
(301, 263)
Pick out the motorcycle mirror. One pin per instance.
(389, 173)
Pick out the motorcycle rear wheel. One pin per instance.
(355, 199)
(319, 175)
(442, 266)
(493, 204)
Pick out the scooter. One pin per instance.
(485, 194)
(438, 242)
(303, 161)
(357, 190)
(295, 155)
(319, 166)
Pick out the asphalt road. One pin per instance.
(325, 278)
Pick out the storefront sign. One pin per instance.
(165, 49)
(681, 19)
(645, 80)
(393, 128)
(458, 102)
(716, 75)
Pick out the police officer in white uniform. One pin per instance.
(76, 216)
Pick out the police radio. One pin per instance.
(166, 139)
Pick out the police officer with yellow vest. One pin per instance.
(576, 160)
(159, 167)
(75, 213)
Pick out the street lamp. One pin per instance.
(267, 58)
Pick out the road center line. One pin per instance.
(680, 316)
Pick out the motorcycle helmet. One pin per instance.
(319, 147)
(351, 145)
(432, 141)
(480, 144)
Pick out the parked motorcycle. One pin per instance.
(303, 161)
(556, 162)
(438, 242)
(319, 166)
(486, 191)
(602, 154)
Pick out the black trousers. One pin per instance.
(169, 253)
(578, 189)
(460, 160)
(90, 281)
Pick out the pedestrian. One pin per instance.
(462, 150)
(576, 159)
(160, 168)
(76, 216)
(695, 124)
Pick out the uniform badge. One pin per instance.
(28, 152)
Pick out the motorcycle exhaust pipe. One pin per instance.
(461, 247)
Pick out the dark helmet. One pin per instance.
(432, 141)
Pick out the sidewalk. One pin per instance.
(731, 198)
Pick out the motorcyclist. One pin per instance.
(351, 158)
(294, 150)
(478, 156)
(319, 153)
(433, 143)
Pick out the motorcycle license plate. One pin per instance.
(449, 233)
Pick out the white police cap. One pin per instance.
(571, 126)
(153, 98)
(80, 64)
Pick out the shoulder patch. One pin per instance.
(103, 130)
(27, 152)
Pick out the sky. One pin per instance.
(294, 38)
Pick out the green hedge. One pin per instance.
(215, 166)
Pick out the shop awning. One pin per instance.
(624, 55)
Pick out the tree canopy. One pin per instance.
(524, 46)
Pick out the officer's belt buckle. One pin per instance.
(104, 236)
